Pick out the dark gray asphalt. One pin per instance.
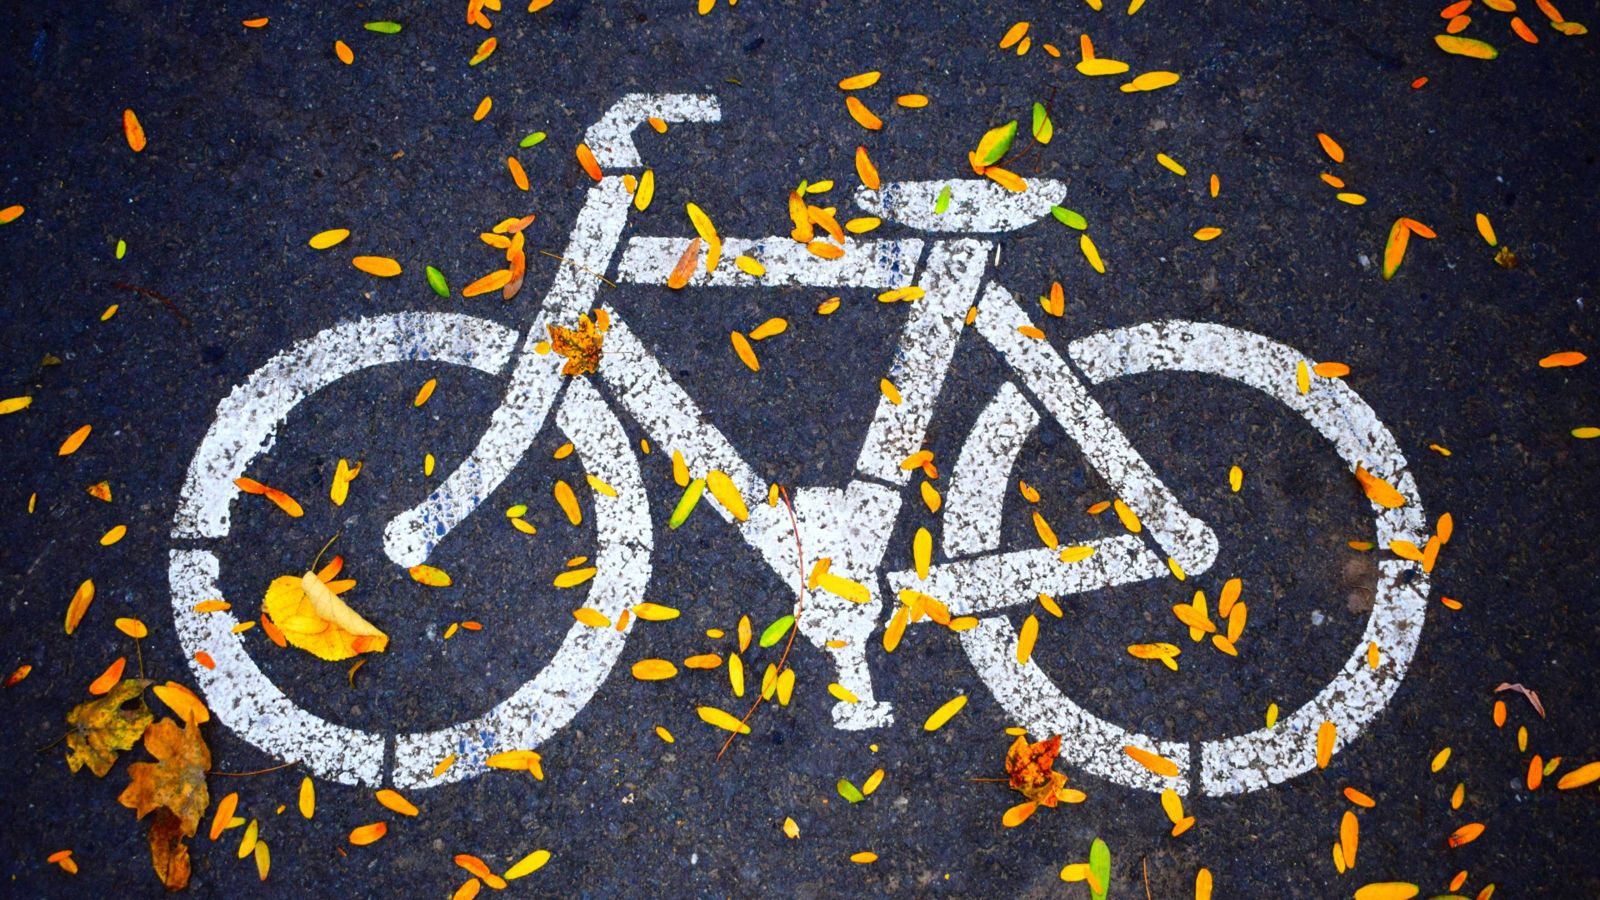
(260, 138)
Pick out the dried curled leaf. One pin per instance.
(100, 729)
(313, 619)
(174, 788)
(580, 346)
(1031, 769)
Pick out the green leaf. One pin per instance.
(383, 27)
(942, 203)
(1100, 865)
(533, 139)
(774, 633)
(687, 503)
(1043, 130)
(850, 792)
(437, 282)
(1069, 218)
(996, 142)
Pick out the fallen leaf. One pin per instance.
(100, 729)
(1379, 491)
(1533, 696)
(174, 788)
(580, 346)
(312, 618)
(1030, 769)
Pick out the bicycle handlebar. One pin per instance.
(611, 138)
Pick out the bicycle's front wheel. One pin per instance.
(1243, 762)
(246, 700)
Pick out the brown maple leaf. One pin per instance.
(174, 788)
(580, 346)
(104, 727)
(1030, 768)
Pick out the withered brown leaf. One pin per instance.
(102, 728)
(174, 788)
(580, 346)
(1031, 769)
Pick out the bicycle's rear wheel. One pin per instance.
(1243, 762)
(244, 699)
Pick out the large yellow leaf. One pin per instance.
(313, 619)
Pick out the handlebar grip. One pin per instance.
(611, 138)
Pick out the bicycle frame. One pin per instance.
(849, 525)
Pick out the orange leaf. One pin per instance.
(133, 130)
(367, 834)
(1152, 761)
(1379, 491)
(866, 170)
(109, 678)
(74, 441)
(381, 266)
(81, 598)
(862, 115)
(1018, 814)
(685, 267)
(285, 502)
(1466, 834)
(1564, 358)
(587, 160)
(1331, 147)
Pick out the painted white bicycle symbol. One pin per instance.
(851, 524)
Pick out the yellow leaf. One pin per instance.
(944, 713)
(713, 716)
(429, 576)
(857, 82)
(307, 603)
(322, 240)
(1460, 46)
(1100, 66)
(528, 865)
(1387, 890)
(727, 494)
(1326, 733)
(654, 670)
(708, 233)
(568, 502)
(308, 797)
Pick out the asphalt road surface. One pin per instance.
(260, 137)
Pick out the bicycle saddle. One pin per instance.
(977, 205)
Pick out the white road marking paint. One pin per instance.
(866, 264)
(611, 138)
(951, 278)
(243, 698)
(984, 584)
(247, 420)
(977, 205)
(850, 525)
(1041, 370)
(564, 686)
(238, 693)
(976, 496)
(1228, 765)
(411, 536)
(1358, 693)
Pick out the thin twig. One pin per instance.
(990, 780)
(165, 301)
(1146, 864)
(794, 629)
(580, 266)
(53, 743)
(286, 765)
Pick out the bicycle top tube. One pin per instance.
(881, 264)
